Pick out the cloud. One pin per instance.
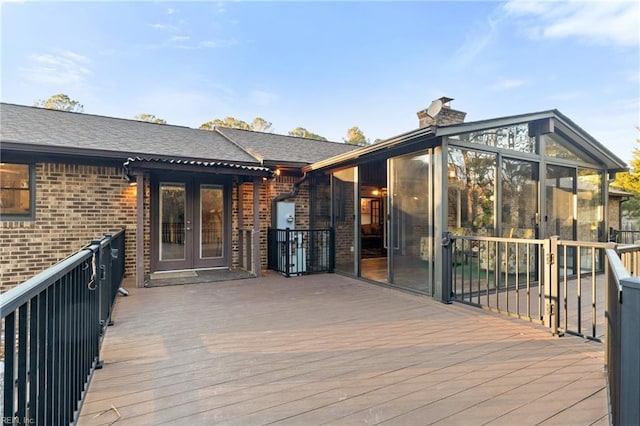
(159, 26)
(61, 67)
(604, 23)
(263, 98)
(477, 41)
(208, 44)
(179, 38)
(170, 11)
(507, 84)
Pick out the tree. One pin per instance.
(301, 132)
(259, 124)
(356, 137)
(149, 118)
(60, 102)
(231, 122)
(630, 182)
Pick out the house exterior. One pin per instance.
(199, 195)
(184, 196)
(393, 204)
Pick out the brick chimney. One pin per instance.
(441, 114)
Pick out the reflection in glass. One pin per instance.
(590, 217)
(557, 147)
(471, 177)
(172, 224)
(344, 214)
(516, 138)
(412, 255)
(519, 198)
(560, 208)
(211, 220)
(561, 212)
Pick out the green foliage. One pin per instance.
(356, 137)
(230, 122)
(301, 132)
(149, 118)
(60, 102)
(630, 182)
(258, 124)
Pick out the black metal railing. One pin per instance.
(621, 236)
(587, 289)
(500, 274)
(301, 251)
(554, 282)
(622, 341)
(52, 326)
(578, 283)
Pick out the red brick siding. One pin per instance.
(268, 190)
(74, 204)
(78, 203)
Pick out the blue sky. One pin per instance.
(328, 66)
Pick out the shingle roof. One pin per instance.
(69, 130)
(273, 147)
(62, 130)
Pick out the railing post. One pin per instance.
(447, 263)
(287, 253)
(332, 250)
(551, 318)
(630, 352)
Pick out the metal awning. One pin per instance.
(218, 167)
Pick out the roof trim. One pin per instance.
(425, 132)
(582, 138)
(17, 147)
(196, 165)
(250, 152)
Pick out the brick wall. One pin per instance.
(74, 204)
(78, 203)
(614, 212)
(268, 191)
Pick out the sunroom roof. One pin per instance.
(430, 136)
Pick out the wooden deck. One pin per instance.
(326, 349)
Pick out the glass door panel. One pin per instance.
(411, 231)
(590, 220)
(560, 205)
(561, 211)
(211, 221)
(590, 205)
(172, 222)
(519, 199)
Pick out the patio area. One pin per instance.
(327, 349)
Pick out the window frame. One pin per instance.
(24, 217)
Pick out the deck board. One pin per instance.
(327, 349)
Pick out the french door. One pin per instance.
(189, 224)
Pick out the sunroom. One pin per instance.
(394, 204)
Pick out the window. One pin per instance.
(515, 138)
(16, 191)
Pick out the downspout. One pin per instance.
(622, 200)
(285, 196)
